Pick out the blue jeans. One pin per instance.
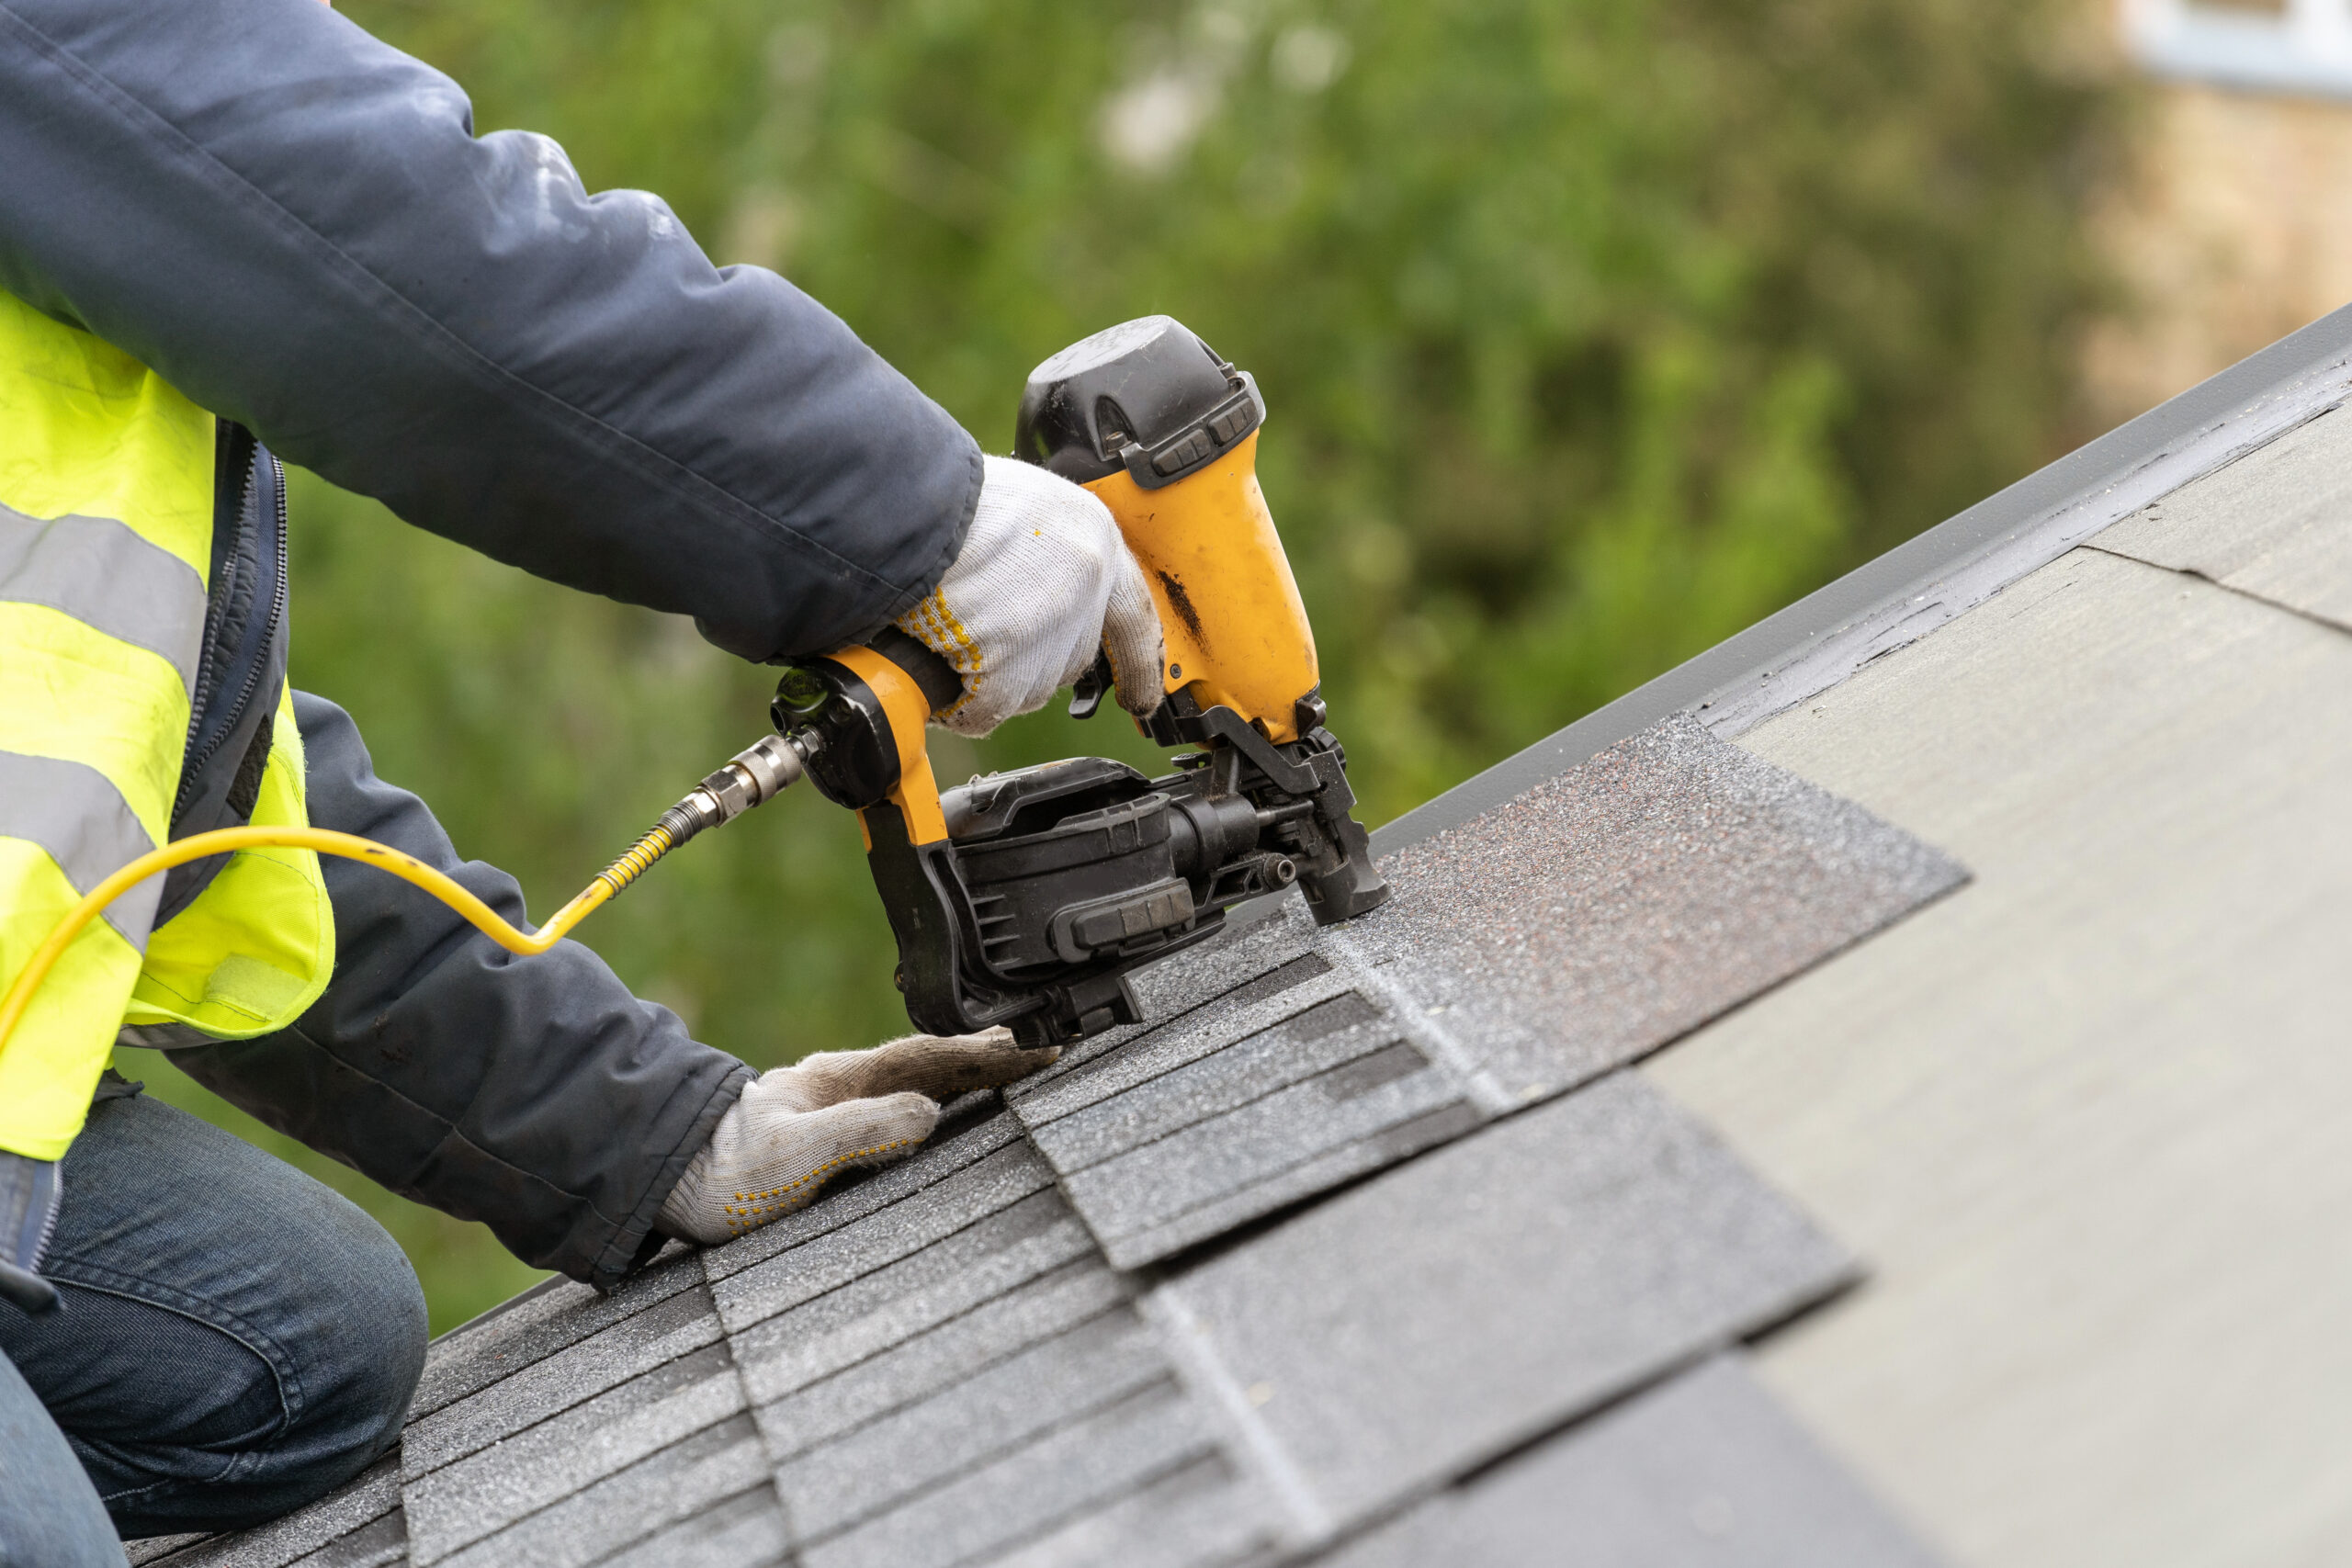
(234, 1340)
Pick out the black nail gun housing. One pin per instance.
(1055, 881)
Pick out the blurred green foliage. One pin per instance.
(1593, 330)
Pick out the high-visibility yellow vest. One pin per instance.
(106, 541)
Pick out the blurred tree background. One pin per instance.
(1593, 332)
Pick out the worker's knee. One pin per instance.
(348, 1347)
(281, 1405)
(237, 1338)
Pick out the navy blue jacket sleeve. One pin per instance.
(297, 227)
(535, 1095)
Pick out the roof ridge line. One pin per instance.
(1816, 642)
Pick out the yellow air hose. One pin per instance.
(751, 778)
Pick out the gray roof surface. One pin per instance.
(1365, 1250)
(1191, 1297)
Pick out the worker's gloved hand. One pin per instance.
(1045, 580)
(30, 1191)
(798, 1126)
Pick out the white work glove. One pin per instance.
(797, 1127)
(1044, 580)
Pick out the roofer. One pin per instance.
(225, 223)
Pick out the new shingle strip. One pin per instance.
(1294, 1183)
(1293, 980)
(1702, 1472)
(1610, 911)
(1322, 1035)
(1403, 1332)
(1231, 1164)
(1571, 931)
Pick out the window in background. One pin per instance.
(2294, 45)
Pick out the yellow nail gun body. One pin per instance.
(1024, 899)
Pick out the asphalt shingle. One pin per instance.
(1205, 1512)
(1611, 909)
(684, 1482)
(971, 1129)
(840, 1255)
(1000, 1283)
(1001, 1408)
(1077, 1468)
(674, 1327)
(1582, 925)
(1387, 1337)
(743, 1531)
(539, 1323)
(365, 1501)
(484, 1492)
(1702, 1472)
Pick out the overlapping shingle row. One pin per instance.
(1338, 1256)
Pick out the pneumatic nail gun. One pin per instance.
(1025, 898)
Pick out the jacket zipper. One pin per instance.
(191, 771)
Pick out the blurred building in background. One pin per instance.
(2232, 228)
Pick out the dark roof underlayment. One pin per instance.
(1362, 1251)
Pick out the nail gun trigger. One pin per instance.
(1092, 687)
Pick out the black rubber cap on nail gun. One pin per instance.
(1146, 396)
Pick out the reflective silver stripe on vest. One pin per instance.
(74, 812)
(105, 576)
(163, 1036)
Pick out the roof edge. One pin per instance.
(1901, 596)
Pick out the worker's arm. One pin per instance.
(296, 226)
